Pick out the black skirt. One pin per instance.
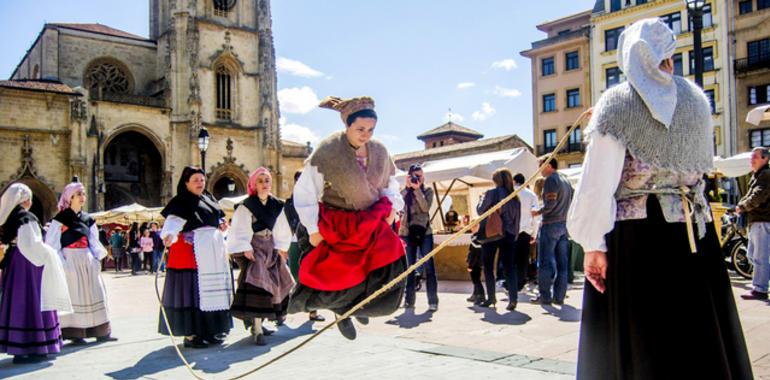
(181, 301)
(253, 302)
(667, 313)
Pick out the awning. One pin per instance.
(758, 115)
(129, 214)
(735, 166)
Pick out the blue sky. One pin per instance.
(416, 58)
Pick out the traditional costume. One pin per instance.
(33, 287)
(642, 202)
(198, 288)
(264, 284)
(75, 236)
(347, 199)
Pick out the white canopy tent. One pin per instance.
(228, 204)
(471, 175)
(129, 214)
(735, 166)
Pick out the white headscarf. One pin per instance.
(641, 48)
(14, 196)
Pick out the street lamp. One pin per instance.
(203, 144)
(695, 10)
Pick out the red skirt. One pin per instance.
(181, 255)
(355, 244)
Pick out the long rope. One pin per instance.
(392, 283)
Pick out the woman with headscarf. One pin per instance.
(640, 207)
(198, 288)
(33, 289)
(73, 233)
(264, 282)
(351, 250)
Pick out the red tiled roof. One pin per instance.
(98, 28)
(38, 86)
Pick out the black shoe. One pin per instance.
(363, 320)
(488, 303)
(540, 301)
(314, 316)
(260, 340)
(511, 305)
(106, 338)
(78, 342)
(558, 302)
(196, 342)
(347, 329)
(29, 359)
(408, 305)
(755, 295)
(267, 332)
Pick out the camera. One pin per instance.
(414, 179)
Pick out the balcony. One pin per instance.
(752, 63)
(569, 148)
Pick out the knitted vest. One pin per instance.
(346, 186)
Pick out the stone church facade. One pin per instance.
(123, 112)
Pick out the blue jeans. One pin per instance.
(428, 270)
(759, 254)
(553, 261)
(156, 256)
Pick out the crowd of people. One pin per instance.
(349, 228)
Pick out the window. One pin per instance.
(573, 60)
(759, 94)
(107, 77)
(615, 5)
(223, 7)
(611, 38)
(759, 137)
(674, 22)
(758, 51)
(707, 17)
(678, 67)
(762, 4)
(549, 103)
(710, 95)
(548, 66)
(573, 98)
(613, 76)
(224, 94)
(549, 140)
(744, 7)
(708, 60)
(575, 140)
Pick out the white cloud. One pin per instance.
(484, 113)
(464, 85)
(297, 100)
(453, 117)
(296, 68)
(507, 92)
(296, 132)
(507, 64)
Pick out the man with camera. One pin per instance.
(416, 232)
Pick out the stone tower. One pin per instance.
(216, 69)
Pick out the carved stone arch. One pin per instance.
(141, 129)
(111, 74)
(44, 200)
(223, 173)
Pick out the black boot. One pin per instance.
(347, 329)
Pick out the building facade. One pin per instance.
(751, 66)
(610, 17)
(561, 85)
(123, 112)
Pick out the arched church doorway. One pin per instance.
(132, 171)
(226, 187)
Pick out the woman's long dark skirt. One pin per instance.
(667, 313)
(253, 302)
(182, 304)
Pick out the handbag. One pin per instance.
(492, 226)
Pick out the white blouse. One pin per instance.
(172, 226)
(54, 292)
(282, 235)
(239, 238)
(53, 239)
(593, 209)
(309, 189)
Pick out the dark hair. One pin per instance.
(519, 179)
(553, 163)
(502, 178)
(366, 114)
(414, 168)
(296, 175)
(187, 173)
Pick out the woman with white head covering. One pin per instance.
(73, 233)
(640, 207)
(33, 286)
